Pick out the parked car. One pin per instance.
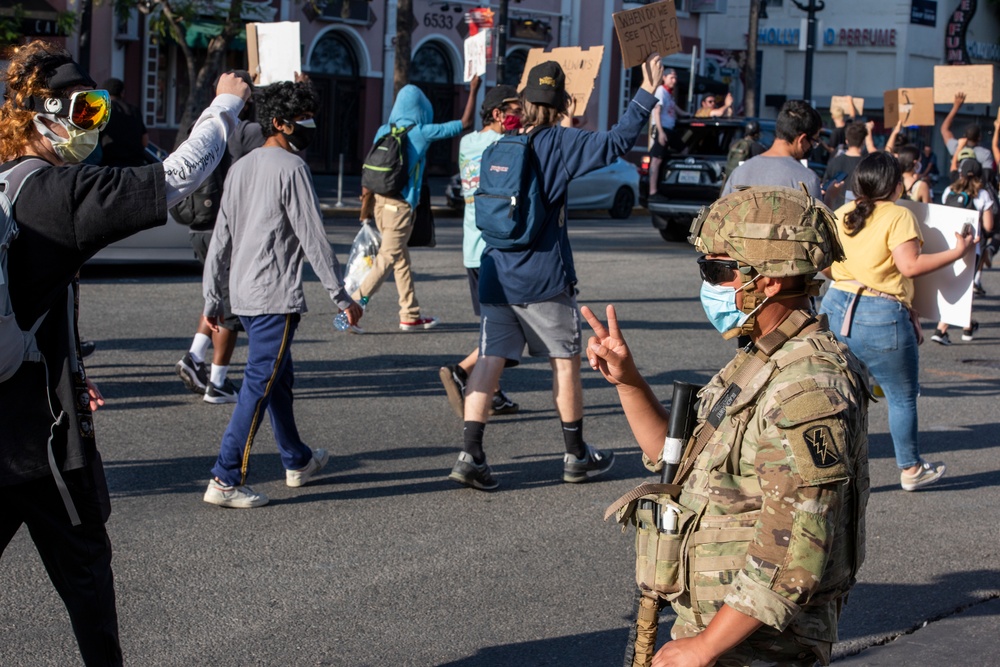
(693, 175)
(166, 244)
(614, 188)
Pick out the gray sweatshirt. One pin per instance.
(269, 222)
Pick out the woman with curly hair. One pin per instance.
(870, 302)
(51, 476)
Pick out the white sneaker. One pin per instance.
(295, 478)
(240, 497)
(927, 474)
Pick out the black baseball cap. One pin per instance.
(546, 85)
(970, 167)
(499, 96)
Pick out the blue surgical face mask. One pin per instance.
(719, 302)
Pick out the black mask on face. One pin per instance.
(302, 134)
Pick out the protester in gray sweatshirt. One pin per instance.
(269, 223)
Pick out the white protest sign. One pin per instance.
(274, 51)
(944, 295)
(475, 54)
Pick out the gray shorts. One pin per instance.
(199, 243)
(549, 328)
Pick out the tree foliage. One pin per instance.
(170, 20)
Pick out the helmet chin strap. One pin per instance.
(753, 302)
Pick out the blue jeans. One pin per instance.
(882, 336)
(267, 386)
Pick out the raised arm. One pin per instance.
(890, 143)
(609, 354)
(469, 115)
(946, 133)
(954, 156)
(870, 138)
(197, 157)
(727, 106)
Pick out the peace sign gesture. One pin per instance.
(607, 350)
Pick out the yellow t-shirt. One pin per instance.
(868, 254)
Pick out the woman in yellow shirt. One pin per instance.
(869, 304)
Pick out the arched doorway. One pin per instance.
(333, 69)
(432, 70)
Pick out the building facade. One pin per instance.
(862, 48)
(348, 51)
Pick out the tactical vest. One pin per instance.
(717, 497)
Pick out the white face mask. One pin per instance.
(75, 148)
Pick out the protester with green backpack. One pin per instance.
(410, 132)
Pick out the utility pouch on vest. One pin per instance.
(659, 555)
(717, 551)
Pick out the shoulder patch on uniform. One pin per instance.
(822, 448)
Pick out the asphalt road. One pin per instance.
(383, 561)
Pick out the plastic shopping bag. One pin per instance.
(363, 251)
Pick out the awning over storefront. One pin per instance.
(201, 31)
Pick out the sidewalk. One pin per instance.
(326, 188)
(970, 638)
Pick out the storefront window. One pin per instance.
(333, 55)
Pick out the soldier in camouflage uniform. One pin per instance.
(771, 510)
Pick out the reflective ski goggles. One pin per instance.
(85, 109)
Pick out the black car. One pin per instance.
(692, 175)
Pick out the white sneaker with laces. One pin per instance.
(240, 497)
(296, 478)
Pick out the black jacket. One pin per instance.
(65, 215)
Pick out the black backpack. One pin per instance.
(200, 209)
(959, 200)
(385, 170)
(16, 346)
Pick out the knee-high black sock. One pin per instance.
(472, 440)
(573, 436)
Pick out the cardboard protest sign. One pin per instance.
(976, 81)
(914, 106)
(647, 30)
(475, 54)
(944, 295)
(274, 51)
(581, 68)
(852, 106)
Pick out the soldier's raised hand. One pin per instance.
(607, 351)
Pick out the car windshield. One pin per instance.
(713, 140)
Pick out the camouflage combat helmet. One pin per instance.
(778, 231)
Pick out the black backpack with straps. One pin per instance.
(16, 346)
(385, 170)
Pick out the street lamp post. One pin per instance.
(810, 9)
(501, 40)
(757, 12)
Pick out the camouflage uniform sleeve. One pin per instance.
(800, 459)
